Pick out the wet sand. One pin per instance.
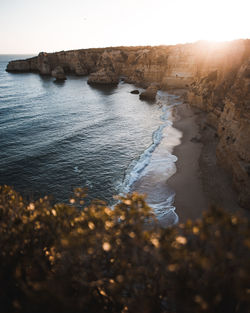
(199, 182)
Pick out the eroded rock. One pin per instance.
(135, 92)
(104, 77)
(149, 93)
(225, 95)
(59, 74)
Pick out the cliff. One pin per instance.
(216, 77)
(225, 95)
(169, 66)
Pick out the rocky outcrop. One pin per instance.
(135, 92)
(22, 66)
(216, 77)
(149, 93)
(225, 95)
(43, 64)
(104, 77)
(233, 151)
(169, 66)
(58, 73)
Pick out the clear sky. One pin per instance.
(31, 26)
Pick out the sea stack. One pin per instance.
(149, 93)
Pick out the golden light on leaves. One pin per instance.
(198, 299)
(125, 309)
(234, 220)
(53, 211)
(31, 207)
(91, 225)
(108, 224)
(127, 202)
(91, 250)
(119, 278)
(64, 242)
(118, 241)
(108, 211)
(172, 267)
(106, 246)
(107, 254)
(132, 234)
(181, 240)
(155, 242)
(103, 293)
(80, 230)
(195, 230)
(79, 219)
(37, 225)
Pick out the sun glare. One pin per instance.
(96, 23)
(214, 20)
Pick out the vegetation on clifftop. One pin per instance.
(72, 258)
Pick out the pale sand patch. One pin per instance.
(199, 182)
(190, 198)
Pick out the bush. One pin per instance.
(72, 258)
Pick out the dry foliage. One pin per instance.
(69, 258)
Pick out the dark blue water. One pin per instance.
(55, 137)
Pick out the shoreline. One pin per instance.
(198, 182)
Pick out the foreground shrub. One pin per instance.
(72, 258)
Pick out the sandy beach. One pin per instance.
(199, 182)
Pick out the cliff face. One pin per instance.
(216, 77)
(224, 94)
(170, 66)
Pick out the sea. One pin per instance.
(55, 137)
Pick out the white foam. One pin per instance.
(76, 169)
(143, 161)
(88, 184)
(165, 211)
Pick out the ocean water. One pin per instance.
(58, 136)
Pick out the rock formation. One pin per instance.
(104, 77)
(216, 77)
(225, 95)
(149, 93)
(135, 92)
(58, 73)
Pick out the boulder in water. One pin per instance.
(149, 93)
(104, 77)
(135, 92)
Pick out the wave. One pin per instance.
(165, 211)
(138, 166)
(163, 208)
(143, 161)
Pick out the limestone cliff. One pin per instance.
(224, 93)
(170, 66)
(216, 77)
